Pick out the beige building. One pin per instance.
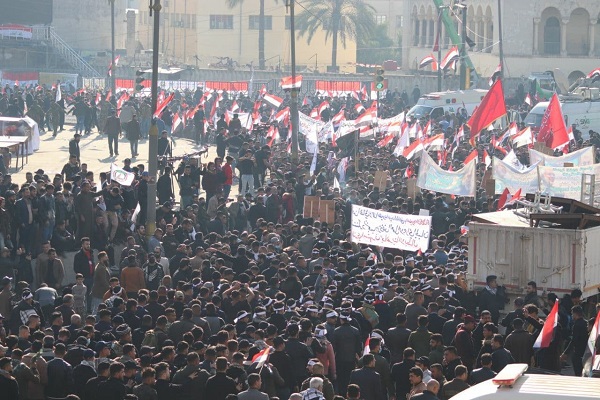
(200, 35)
(391, 13)
(538, 35)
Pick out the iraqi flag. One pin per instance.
(120, 175)
(430, 59)
(273, 100)
(473, 156)
(492, 107)
(289, 83)
(451, 56)
(545, 337)
(591, 358)
(262, 356)
(523, 138)
(162, 105)
(495, 75)
(413, 149)
(595, 74)
(553, 130)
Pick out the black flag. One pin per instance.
(346, 145)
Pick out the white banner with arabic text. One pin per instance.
(506, 176)
(579, 158)
(398, 231)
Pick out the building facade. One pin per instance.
(391, 13)
(538, 35)
(203, 35)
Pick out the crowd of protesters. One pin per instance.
(183, 312)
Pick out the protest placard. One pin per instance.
(398, 231)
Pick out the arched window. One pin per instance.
(552, 36)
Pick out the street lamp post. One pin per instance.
(294, 91)
(112, 47)
(153, 133)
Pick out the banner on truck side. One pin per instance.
(398, 231)
(565, 181)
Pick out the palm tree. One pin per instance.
(346, 19)
(261, 29)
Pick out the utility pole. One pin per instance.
(153, 134)
(113, 68)
(500, 45)
(439, 43)
(294, 92)
(463, 49)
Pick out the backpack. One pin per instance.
(150, 339)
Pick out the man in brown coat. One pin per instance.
(101, 280)
(51, 272)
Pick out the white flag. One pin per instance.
(120, 175)
(58, 93)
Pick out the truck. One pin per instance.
(558, 259)
(436, 104)
(584, 115)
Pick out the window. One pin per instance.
(380, 19)
(221, 22)
(399, 21)
(552, 36)
(254, 21)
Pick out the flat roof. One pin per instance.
(505, 218)
(535, 387)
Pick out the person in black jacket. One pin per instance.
(83, 372)
(400, 372)
(60, 374)
(299, 352)
(484, 373)
(133, 135)
(74, 146)
(220, 385)
(579, 340)
(347, 345)
(367, 379)
(491, 298)
(113, 388)
(8, 384)
(90, 390)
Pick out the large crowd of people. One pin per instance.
(242, 296)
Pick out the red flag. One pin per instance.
(161, 106)
(263, 90)
(545, 337)
(289, 83)
(552, 129)
(503, 198)
(514, 198)
(491, 108)
(473, 156)
(387, 139)
(451, 56)
(304, 102)
(273, 100)
(262, 356)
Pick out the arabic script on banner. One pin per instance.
(398, 231)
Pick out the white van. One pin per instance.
(437, 103)
(511, 384)
(585, 115)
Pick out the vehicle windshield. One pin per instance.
(534, 120)
(419, 111)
